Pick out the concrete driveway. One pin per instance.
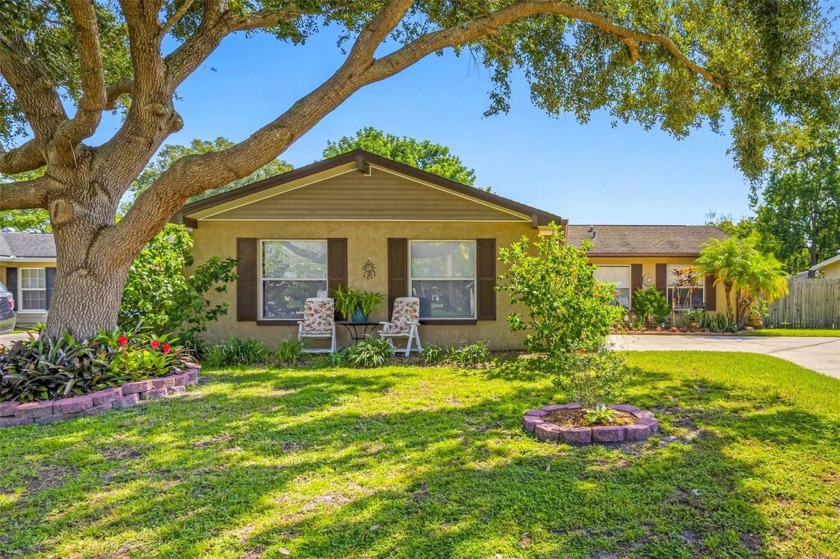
(818, 354)
(7, 339)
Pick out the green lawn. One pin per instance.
(797, 332)
(424, 462)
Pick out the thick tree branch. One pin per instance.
(34, 90)
(490, 23)
(26, 157)
(114, 91)
(26, 195)
(94, 95)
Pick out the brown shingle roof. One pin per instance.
(645, 240)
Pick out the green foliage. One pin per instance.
(194, 343)
(44, 368)
(694, 315)
(171, 153)
(720, 323)
(433, 354)
(469, 356)
(26, 221)
(159, 295)
(369, 352)
(568, 310)
(237, 351)
(289, 351)
(593, 377)
(650, 305)
(425, 155)
(348, 298)
(599, 415)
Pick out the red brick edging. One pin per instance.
(125, 396)
(546, 431)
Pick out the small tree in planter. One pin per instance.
(569, 313)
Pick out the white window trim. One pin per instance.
(20, 289)
(701, 285)
(629, 287)
(474, 277)
(263, 279)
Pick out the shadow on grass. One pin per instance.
(323, 465)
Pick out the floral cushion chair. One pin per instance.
(318, 322)
(405, 321)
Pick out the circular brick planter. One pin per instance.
(547, 431)
(125, 396)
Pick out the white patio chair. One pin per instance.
(405, 321)
(318, 322)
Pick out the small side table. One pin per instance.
(358, 330)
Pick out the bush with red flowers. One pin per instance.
(46, 369)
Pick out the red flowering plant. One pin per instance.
(137, 355)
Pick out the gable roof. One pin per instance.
(826, 263)
(645, 240)
(360, 161)
(26, 245)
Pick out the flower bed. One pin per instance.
(130, 394)
(644, 426)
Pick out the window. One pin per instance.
(620, 276)
(292, 271)
(443, 277)
(686, 284)
(33, 289)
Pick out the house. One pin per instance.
(365, 221)
(637, 256)
(829, 268)
(27, 267)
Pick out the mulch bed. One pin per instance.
(576, 418)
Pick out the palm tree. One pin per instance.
(728, 260)
(764, 280)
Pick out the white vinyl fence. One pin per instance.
(812, 303)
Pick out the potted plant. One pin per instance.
(693, 318)
(356, 304)
(757, 311)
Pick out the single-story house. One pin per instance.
(27, 268)
(829, 268)
(363, 220)
(368, 222)
(646, 256)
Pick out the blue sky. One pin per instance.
(592, 173)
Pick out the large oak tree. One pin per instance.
(673, 64)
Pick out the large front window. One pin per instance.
(685, 288)
(292, 271)
(33, 289)
(443, 277)
(618, 276)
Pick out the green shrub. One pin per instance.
(650, 305)
(194, 343)
(46, 368)
(593, 377)
(370, 352)
(470, 355)
(599, 415)
(568, 310)
(289, 352)
(237, 351)
(720, 323)
(433, 354)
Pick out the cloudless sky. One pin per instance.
(591, 173)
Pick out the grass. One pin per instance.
(432, 462)
(796, 332)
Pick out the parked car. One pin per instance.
(7, 310)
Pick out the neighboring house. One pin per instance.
(829, 268)
(27, 267)
(365, 221)
(636, 256)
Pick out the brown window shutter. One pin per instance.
(635, 278)
(397, 270)
(49, 277)
(336, 263)
(486, 268)
(710, 292)
(12, 284)
(247, 284)
(662, 277)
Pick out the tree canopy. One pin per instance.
(674, 65)
(422, 154)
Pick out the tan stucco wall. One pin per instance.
(832, 270)
(649, 267)
(364, 240)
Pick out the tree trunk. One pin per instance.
(84, 301)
